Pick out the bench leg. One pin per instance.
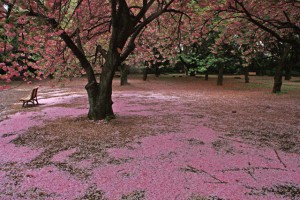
(32, 101)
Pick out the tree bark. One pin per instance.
(220, 75)
(287, 70)
(93, 91)
(246, 73)
(100, 98)
(145, 73)
(105, 97)
(157, 70)
(100, 94)
(206, 75)
(278, 79)
(278, 74)
(124, 75)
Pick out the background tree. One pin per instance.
(124, 69)
(277, 20)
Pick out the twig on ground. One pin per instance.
(280, 159)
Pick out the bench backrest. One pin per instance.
(34, 93)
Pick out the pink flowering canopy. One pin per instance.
(256, 21)
(32, 43)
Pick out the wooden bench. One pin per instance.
(30, 98)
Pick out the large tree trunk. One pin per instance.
(220, 75)
(206, 75)
(246, 73)
(278, 79)
(100, 99)
(93, 91)
(157, 73)
(124, 74)
(278, 74)
(288, 70)
(100, 94)
(145, 73)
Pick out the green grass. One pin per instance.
(281, 92)
(287, 87)
(251, 86)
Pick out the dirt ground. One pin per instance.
(174, 137)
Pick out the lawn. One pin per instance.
(174, 137)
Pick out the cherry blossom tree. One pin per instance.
(274, 22)
(89, 30)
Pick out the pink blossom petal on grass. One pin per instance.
(2, 178)
(18, 122)
(169, 167)
(63, 155)
(84, 164)
(56, 112)
(9, 153)
(53, 181)
(175, 165)
(22, 121)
